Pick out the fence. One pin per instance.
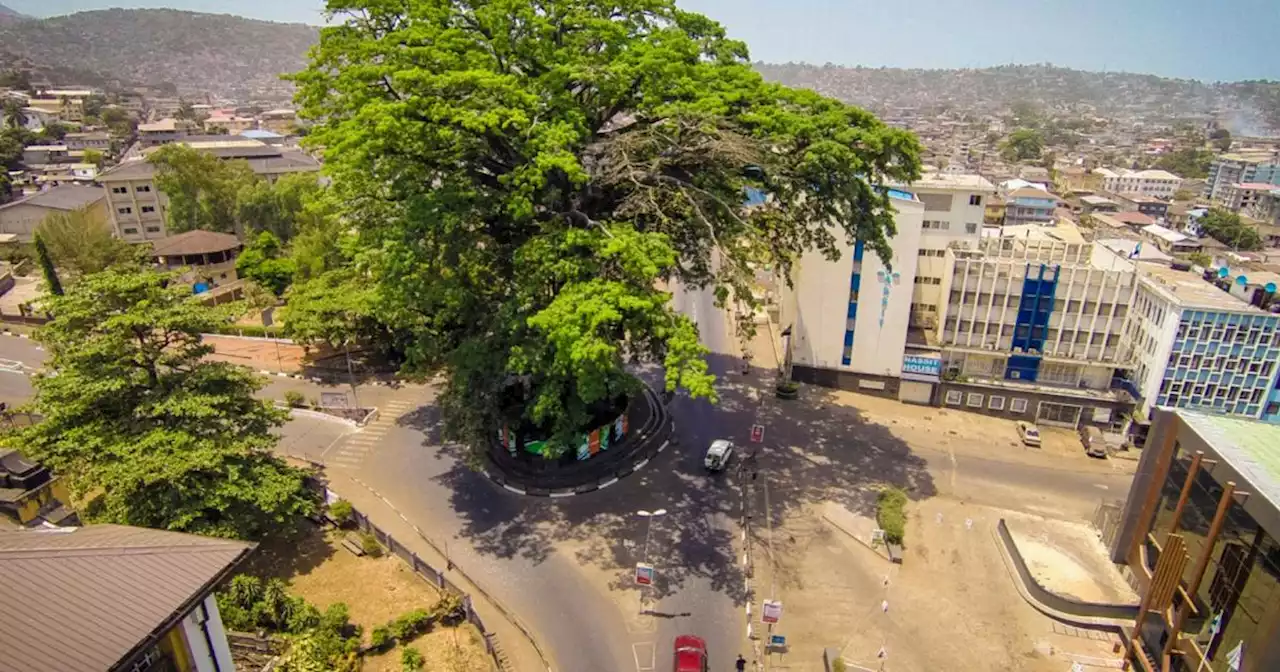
(431, 575)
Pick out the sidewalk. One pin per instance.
(519, 650)
(259, 354)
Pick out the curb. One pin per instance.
(666, 423)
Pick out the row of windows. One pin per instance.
(1229, 333)
(124, 190)
(936, 225)
(1069, 308)
(925, 280)
(931, 253)
(995, 402)
(133, 232)
(955, 327)
(129, 211)
(1220, 363)
(924, 307)
(1229, 393)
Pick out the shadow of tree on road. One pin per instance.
(814, 451)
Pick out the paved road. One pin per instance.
(556, 561)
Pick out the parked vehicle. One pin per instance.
(1029, 433)
(690, 654)
(718, 455)
(1095, 444)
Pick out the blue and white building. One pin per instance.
(1201, 347)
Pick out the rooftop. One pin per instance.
(65, 197)
(949, 181)
(194, 242)
(1248, 446)
(87, 598)
(1097, 200)
(1190, 290)
(45, 148)
(1031, 192)
(1135, 250)
(1256, 186)
(1132, 217)
(1167, 235)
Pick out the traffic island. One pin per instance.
(608, 453)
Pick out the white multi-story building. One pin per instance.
(859, 334)
(1240, 167)
(953, 210)
(1158, 183)
(1032, 328)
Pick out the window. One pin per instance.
(995, 403)
(153, 229)
(974, 400)
(125, 211)
(148, 208)
(130, 232)
(1018, 405)
(954, 397)
(970, 228)
(143, 189)
(119, 190)
(975, 199)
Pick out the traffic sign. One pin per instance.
(771, 611)
(757, 433)
(644, 574)
(777, 641)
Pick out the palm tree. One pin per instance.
(14, 115)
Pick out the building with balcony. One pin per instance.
(1266, 208)
(113, 597)
(1029, 205)
(955, 209)
(1245, 195)
(1032, 330)
(208, 257)
(1158, 183)
(1197, 536)
(165, 131)
(1240, 167)
(1197, 346)
(136, 205)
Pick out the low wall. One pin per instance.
(1052, 600)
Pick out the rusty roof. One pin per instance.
(88, 598)
(194, 242)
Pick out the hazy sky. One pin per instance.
(1202, 39)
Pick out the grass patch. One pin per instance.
(891, 514)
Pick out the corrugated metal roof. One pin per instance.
(194, 242)
(83, 598)
(65, 197)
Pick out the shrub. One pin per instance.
(411, 660)
(251, 330)
(380, 638)
(340, 511)
(448, 609)
(370, 544)
(410, 624)
(315, 402)
(303, 617)
(294, 399)
(235, 617)
(890, 514)
(245, 590)
(336, 618)
(839, 665)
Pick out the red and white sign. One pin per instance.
(644, 574)
(771, 611)
(757, 433)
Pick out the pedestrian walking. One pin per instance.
(741, 665)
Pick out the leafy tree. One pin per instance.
(119, 122)
(1227, 228)
(94, 156)
(524, 176)
(82, 243)
(47, 269)
(53, 132)
(1024, 144)
(11, 145)
(203, 190)
(1183, 195)
(1201, 259)
(6, 187)
(278, 207)
(14, 115)
(185, 111)
(263, 262)
(147, 431)
(1187, 162)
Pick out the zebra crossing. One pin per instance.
(356, 446)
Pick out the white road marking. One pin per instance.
(558, 495)
(652, 657)
(607, 483)
(518, 491)
(1100, 486)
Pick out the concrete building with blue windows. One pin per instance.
(1201, 347)
(1032, 330)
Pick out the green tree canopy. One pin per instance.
(523, 176)
(146, 430)
(1188, 162)
(277, 207)
(263, 262)
(82, 243)
(1024, 144)
(203, 190)
(14, 115)
(1227, 228)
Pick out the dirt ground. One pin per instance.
(1069, 559)
(375, 590)
(951, 605)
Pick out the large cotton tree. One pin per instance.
(525, 175)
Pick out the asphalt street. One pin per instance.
(565, 566)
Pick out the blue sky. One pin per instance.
(1201, 39)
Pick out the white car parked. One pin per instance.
(718, 455)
